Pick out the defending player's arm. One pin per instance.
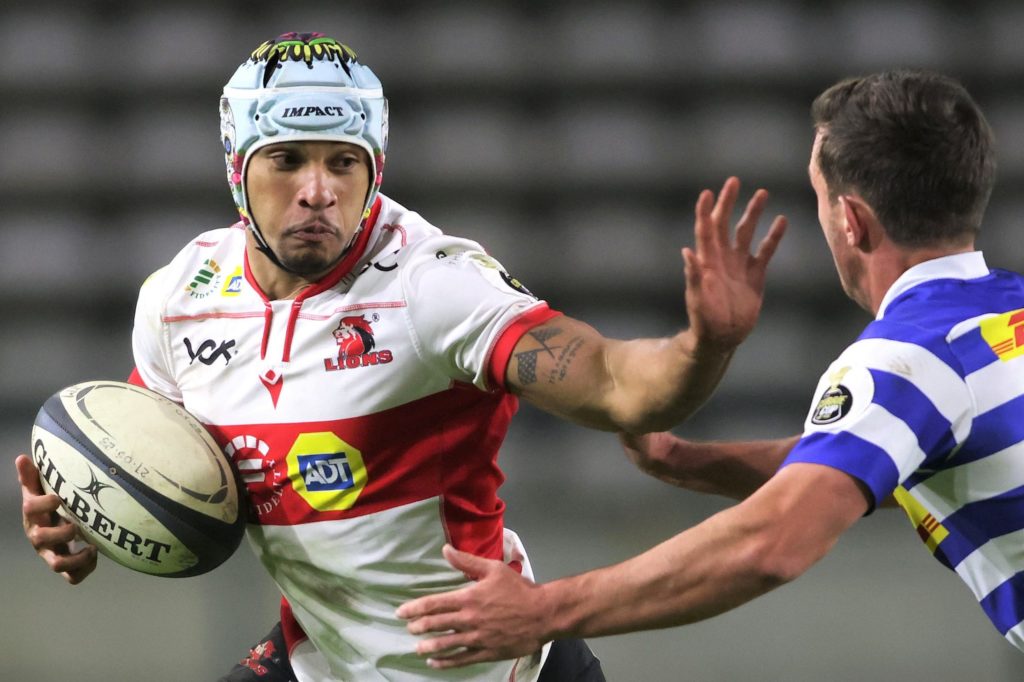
(733, 470)
(566, 367)
(738, 554)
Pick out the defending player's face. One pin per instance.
(831, 217)
(307, 198)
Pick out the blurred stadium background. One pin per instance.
(571, 139)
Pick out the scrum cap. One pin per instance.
(301, 87)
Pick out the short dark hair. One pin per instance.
(915, 146)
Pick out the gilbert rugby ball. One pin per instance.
(143, 480)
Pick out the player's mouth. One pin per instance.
(313, 231)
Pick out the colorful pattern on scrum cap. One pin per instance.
(298, 87)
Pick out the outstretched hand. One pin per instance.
(724, 281)
(500, 616)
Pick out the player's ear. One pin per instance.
(860, 220)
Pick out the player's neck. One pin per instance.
(888, 264)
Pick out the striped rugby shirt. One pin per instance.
(928, 405)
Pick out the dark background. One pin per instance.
(571, 139)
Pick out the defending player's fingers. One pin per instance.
(723, 210)
(436, 622)
(766, 249)
(464, 657)
(429, 606)
(472, 566)
(748, 221)
(705, 241)
(691, 269)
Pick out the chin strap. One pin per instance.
(264, 248)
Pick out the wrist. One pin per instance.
(560, 620)
(706, 349)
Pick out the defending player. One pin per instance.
(373, 370)
(926, 406)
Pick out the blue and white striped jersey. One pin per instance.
(928, 405)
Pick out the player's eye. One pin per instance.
(284, 159)
(346, 162)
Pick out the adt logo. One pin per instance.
(326, 472)
(233, 284)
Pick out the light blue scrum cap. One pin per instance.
(301, 87)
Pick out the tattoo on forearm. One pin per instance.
(526, 361)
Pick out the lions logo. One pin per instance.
(356, 345)
(354, 335)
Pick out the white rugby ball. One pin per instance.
(142, 478)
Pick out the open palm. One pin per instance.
(724, 281)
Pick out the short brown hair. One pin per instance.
(915, 146)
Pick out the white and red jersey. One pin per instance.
(365, 418)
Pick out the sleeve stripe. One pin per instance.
(890, 434)
(849, 453)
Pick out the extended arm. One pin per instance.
(569, 369)
(731, 469)
(733, 557)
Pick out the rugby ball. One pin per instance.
(142, 478)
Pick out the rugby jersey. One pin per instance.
(365, 418)
(928, 405)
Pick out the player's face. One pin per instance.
(307, 199)
(832, 217)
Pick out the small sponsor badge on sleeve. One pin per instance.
(490, 267)
(843, 391)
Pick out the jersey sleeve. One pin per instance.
(883, 410)
(149, 340)
(466, 311)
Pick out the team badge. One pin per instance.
(356, 344)
(835, 403)
(489, 264)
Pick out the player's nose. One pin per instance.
(315, 191)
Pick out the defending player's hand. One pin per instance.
(724, 281)
(499, 617)
(49, 533)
